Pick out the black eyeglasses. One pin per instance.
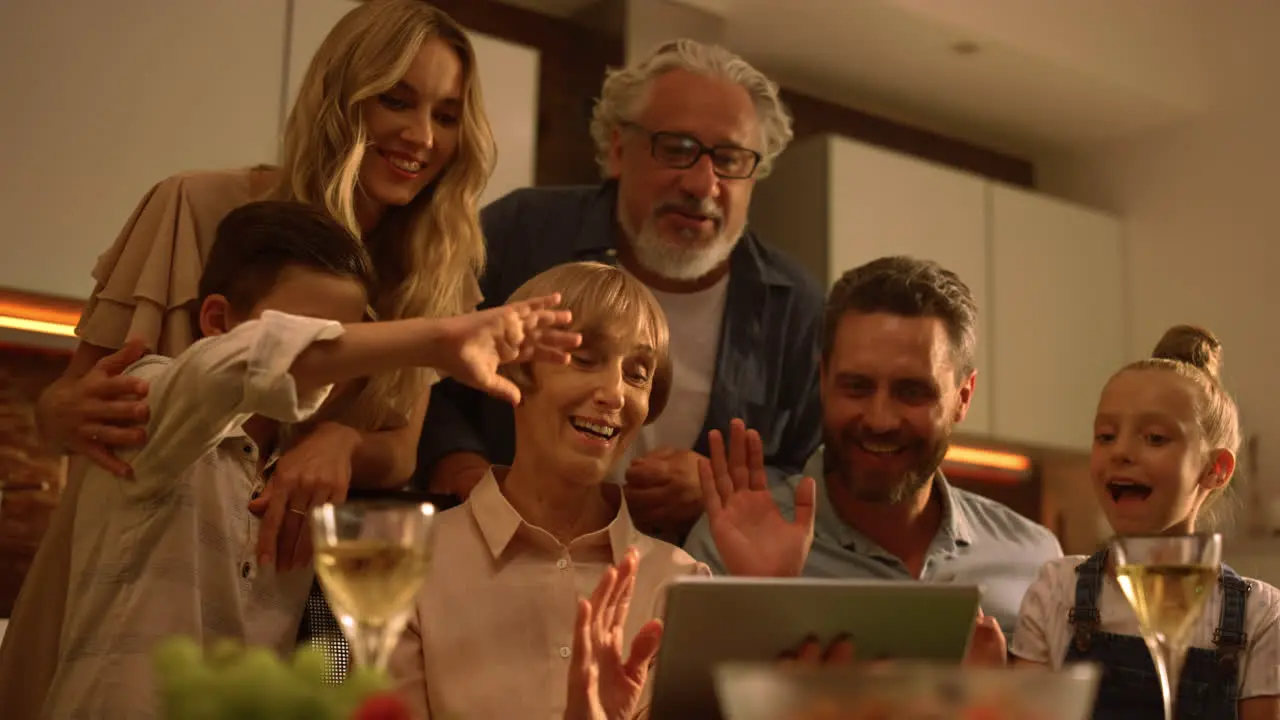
(680, 151)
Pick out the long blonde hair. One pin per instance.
(626, 89)
(429, 252)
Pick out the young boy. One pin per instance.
(171, 550)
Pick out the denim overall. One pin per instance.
(1130, 687)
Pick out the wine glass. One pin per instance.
(1167, 579)
(371, 558)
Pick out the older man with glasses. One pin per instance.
(682, 137)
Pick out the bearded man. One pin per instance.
(897, 374)
(682, 136)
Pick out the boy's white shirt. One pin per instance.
(172, 550)
(1044, 632)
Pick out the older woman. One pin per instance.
(492, 633)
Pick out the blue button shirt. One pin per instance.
(980, 542)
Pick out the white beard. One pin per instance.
(679, 261)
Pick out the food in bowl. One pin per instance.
(904, 691)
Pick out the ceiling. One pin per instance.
(1029, 74)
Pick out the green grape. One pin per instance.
(200, 706)
(309, 703)
(190, 695)
(231, 681)
(178, 667)
(309, 666)
(360, 684)
(366, 682)
(225, 651)
(255, 686)
(177, 654)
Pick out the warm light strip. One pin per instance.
(37, 326)
(39, 314)
(988, 458)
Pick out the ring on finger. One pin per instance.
(296, 511)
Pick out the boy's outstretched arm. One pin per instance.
(282, 366)
(469, 347)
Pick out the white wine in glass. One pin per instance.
(371, 558)
(1168, 580)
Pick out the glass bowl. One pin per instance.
(904, 691)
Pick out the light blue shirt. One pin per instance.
(980, 542)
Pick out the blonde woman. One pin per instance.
(389, 136)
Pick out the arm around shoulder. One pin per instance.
(91, 397)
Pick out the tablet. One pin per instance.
(709, 621)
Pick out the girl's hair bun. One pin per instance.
(1192, 345)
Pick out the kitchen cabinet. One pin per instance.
(1047, 275)
(1057, 329)
(834, 204)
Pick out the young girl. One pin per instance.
(1165, 439)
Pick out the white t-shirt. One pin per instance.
(1044, 632)
(695, 320)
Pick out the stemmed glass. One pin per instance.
(1168, 580)
(371, 558)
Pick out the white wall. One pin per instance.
(1201, 204)
(103, 99)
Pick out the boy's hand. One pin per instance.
(471, 347)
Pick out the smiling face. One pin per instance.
(575, 421)
(413, 128)
(581, 417)
(890, 400)
(683, 223)
(1151, 466)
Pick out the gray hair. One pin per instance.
(625, 88)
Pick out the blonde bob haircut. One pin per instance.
(607, 303)
(429, 252)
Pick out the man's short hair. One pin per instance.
(605, 301)
(255, 242)
(908, 287)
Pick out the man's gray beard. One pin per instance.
(675, 261)
(835, 463)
